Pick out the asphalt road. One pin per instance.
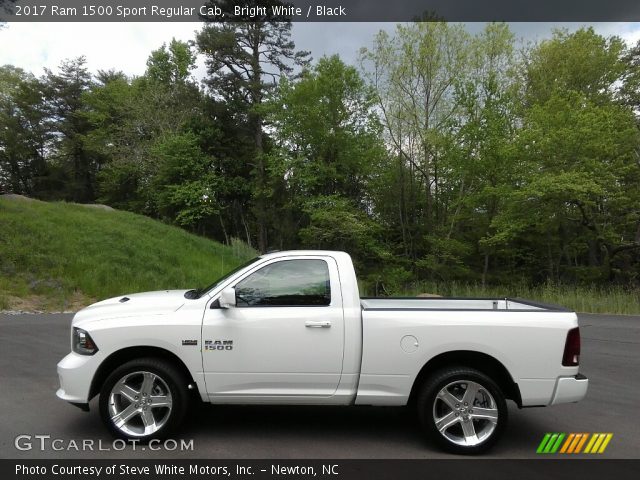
(31, 345)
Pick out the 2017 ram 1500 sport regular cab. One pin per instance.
(291, 328)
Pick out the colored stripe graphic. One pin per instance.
(606, 442)
(581, 442)
(591, 442)
(555, 447)
(598, 443)
(567, 443)
(543, 443)
(573, 443)
(550, 443)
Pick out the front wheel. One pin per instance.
(143, 399)
(462, 410)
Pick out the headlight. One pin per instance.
(82, 343)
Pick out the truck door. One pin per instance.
(284, 337)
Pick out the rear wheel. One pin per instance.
(144, 399)
(462, 410)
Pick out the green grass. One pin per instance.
(593, 299)
(61, 251)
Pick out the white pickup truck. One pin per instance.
(291, 328)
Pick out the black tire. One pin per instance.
(171, 378)
(430, 405)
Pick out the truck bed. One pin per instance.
(526, 337)
(453, 304)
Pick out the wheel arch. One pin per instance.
(483, 362)
(126, 354)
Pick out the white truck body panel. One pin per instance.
(528, 344)
(367, 351)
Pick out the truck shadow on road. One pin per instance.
(339, 432)
(261, 431)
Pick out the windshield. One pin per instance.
(201, 291)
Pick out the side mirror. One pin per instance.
(227, 297)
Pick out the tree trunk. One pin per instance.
(256, 93)
(427, 179)
(246, 229)
(260, 200)
(224, 231)
(485, 270)
(593, 253)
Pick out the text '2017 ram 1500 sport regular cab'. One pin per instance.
(291, 328)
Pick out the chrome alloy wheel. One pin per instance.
(140, 404)
(465, 413)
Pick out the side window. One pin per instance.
(286, 284)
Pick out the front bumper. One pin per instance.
(570, 389)
(76, 373)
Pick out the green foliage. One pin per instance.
(445, 259)
(327, 149)
(243, 58)
(64, 91)
(23, 132)
(577, 151)
(184, 187)
(336, 224)
(171, 66)
(138, 125)
(327, 131)
(582, 61)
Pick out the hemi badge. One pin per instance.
(189, 342)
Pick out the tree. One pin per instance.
(245, 58)
(414, 73)
(121, 134)
(575, 204)
(129, 116)
(171, 66)
(483, 159)
(171, 95)
(185, 185)
(582, 61)
(448, 105)
(335, 223)
(23, 134)
(327, 130)
(69, 125)
(327, 146)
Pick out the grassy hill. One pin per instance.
(62, 256)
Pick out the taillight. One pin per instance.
(571, 357)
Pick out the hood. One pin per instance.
(161, 302)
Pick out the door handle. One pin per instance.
(317, 324)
